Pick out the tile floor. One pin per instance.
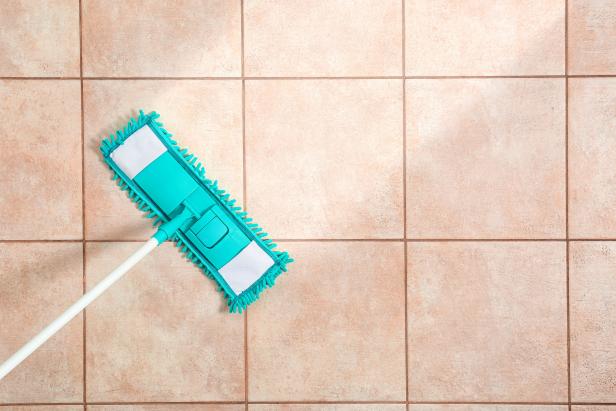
(441, 171)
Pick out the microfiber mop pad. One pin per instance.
(166, 182)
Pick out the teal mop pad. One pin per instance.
(170, 185)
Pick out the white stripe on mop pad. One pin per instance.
(246, 267)
(138, 151)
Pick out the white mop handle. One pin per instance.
(76, 308)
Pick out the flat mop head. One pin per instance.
(165, 181)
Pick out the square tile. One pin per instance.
(592, 281)
(486, 158)
(39, 38)
(168, 407)
(326, 38)
(485, 37)
(487, 321)
(593, 408)
(592, 145)
(38, 281)
(204, 116)
(327, 407)
(163, 333)
(592, 36)
(321, 161)
(40, 160)
(143, 38)
(336, 322)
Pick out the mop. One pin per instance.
(170, 186)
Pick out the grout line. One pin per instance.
(40, 241)
(530, 76)
(83, 207)
(244, 186)
(290, 240)
(483, 77)
(417, 240)
(322, 77)
(486, 403)
(411, 402)
(325, 402)
(329, 240)
(242, 37)
(168, 403)
(244, 192)
(589, 75)
(325, 240)
(246, 359)
(83, 321)
(120, 240)
(452, 77)
(254, 78)
(495, 240)
(567, 250)
(317, 402)
(568, 298)
(404, 188)
(573, 240)
(39, 78)
(39, 404)
(180, 78)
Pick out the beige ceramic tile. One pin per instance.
(485, 37)
(487, 321)
(333, 328)
(485, 407)
(486, 158)
(168, 407)
(179, 38)
(321, 161)
(593, 321)
(37, 282)
(592, 36)
(204, 116)
(162, 334)
(40, 159)
(326, 38)
(39, 38)
(328, 407)
(592, 153)
(593, 408)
